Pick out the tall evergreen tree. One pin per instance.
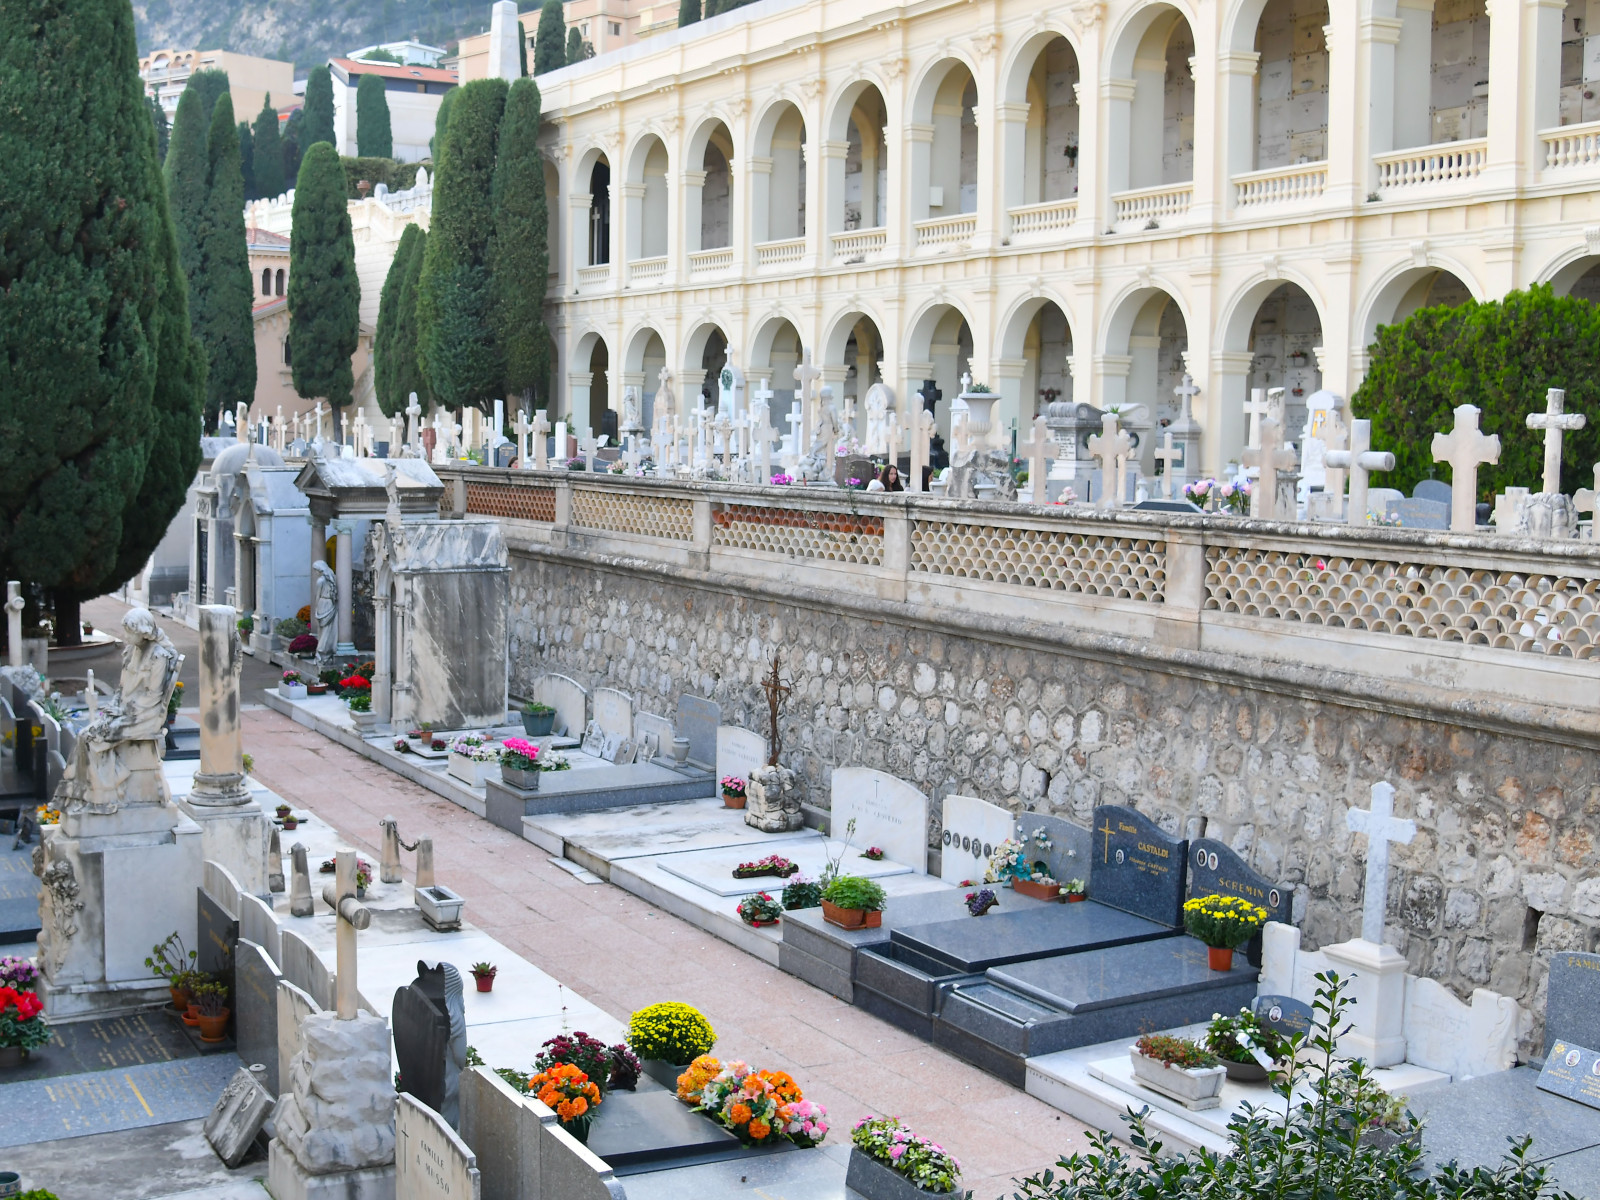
(247, 158)
(209, 83)
(550, 42)
(458, 351)
(394, 346)
(186, 176)
(519, 248)
(441, 122)
(268, 152)
(293, 142)
(324, 293)
(158, 118)
(577, 48)
(222, 291)
(318, 110)
(522, 50)
(688, 12)
(95, 348)
(374, 136)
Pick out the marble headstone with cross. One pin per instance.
(888, 813)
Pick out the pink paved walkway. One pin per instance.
(621, 954)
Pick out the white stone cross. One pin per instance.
(1037, 453)
(397, 430)
(1465, 448)
(1554, 421)
(724, 427)
(763, 394)
(523, 430)
(1186, 392)
(278, 428)
(1381, 827)
(588, 444)
(1111, 446)
(1584, 500)
(919, 431)
(1359, 461)
(541, 451)
(701, 415)
(318, 411)
(1168, 454)
(340, 895)
(795, 419)
(966, 382)
(241, 421)
(805, 379)
(1255, 408)
(1268, 458)
(14, 607)
(414, 417)
(762, 430)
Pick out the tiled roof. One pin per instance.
(351, 66)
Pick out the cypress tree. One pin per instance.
(394, 350)
(209, 84)
(457, 348)
(324, 293)
(522, 50)
(550, 42)
(441, 122)
(688, 12)
(293, 146)
(158, 117)
(577, 48)
(318, 110)
(247, 159)
(222, 290)
(95, 348)
(374, 136)
(186, 176)
(268, 152)
(519, 254)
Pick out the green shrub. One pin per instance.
(672, 1032)
(1176, 1051)
(801, 893)
(854, 891)
(398, 175)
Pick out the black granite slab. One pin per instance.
(1572, 1009)
(969, 945)
(78, 1047)
(218, 935)
(635, 1128)
(1135, 866)
(1572, 1071)
(19, 894)
(1081, 983)
(1285, 1015)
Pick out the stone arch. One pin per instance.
(1035, 344)
(1406, 288)
(944, 151)
(704, 352)
(708, 186)
(1575, 273)
(938, 346)
(778, 154)
(775, 351)
(589, 381)
(645, 201)
(593, 173)
(857, 186)
(1043, 74)
(1147, 340)
(646, 354)
(851, 352)
(1142, 109)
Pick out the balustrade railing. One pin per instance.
(772, 254)
(1153, 204)
(594, 278)
(647, 271)
(858, 245)
(1052, 218)
(946, 233)
(1572, 146)
(1432, 166)
(1281, 185)
(706, 262)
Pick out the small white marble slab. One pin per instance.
(651, 829)
(712, 870)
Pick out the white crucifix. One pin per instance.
(413, 419)
(397, 431)
(1465, 448)
(1555, 421)
(764, 434)
(318, 411)
(1186, 392)
(701, 415)
(724, 427)
(919, 431)
(795, 419)
(523, 430)
(241, 422)
(1112, 447)
(1359, 460)
(541, 451)
(805, 378)
(1167, 455)
(1255, 408)
(1268, 458)
(966, 382)
(1037, 453)
(1584, 500)
(588, 444)
(1381, 827)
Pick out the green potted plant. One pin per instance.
(1075, 890)
(853, 902)
(760, 909)
(733, 793)
(890, 1162)
(211, 997)
(172, 962)
(520, 765)
(22, 1027)
(292, 687)
(537, 719)
(801, 892)
(1179, 1068)
(483, 973)
(1224, 924)
(1232, 1039)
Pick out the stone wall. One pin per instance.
(1501, 872)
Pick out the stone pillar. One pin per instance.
(1377, 975)
(342, 568)
(383, 672)
(504, 59)
(13, 624)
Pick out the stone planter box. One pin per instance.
(851, 918)
(441, 908)
(871, 1179)
(526, 781)
(292, 691)
(364, 721)
(1194, 1089)
(538, 724)
(471, 771)
(1049, 892)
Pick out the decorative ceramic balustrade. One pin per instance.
(621, 512)
(1056, 560)
(503, 500)
(1427, 166)
(799, 533)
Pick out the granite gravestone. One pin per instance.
(652, 1125)
(1062, 846)
(219, 935)
(1421, 514)
(1572, 1005)
(1136, 867)
(889, 813)
(972, 829)
(698, 720)
(430, 1038)
(431, 1161)
(740, 752)
(648, 728)
(240, 1112)
(255, 1011)
(1215, 870)
(1284, 1015)
(1572, 1071)
(1432, 489)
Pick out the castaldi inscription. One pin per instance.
(1137, 867)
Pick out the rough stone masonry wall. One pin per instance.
(1502, 871)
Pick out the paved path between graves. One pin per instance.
(621, 954)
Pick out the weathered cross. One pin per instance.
(397, 430)
(1359, 460)
(805, 376)
(1186, 392)
(966, 382)
(724, 427)
(762, 430)
(702, 451)
(318, 411)
(541, 450)
(1255, 408)
(1555, 421)
(1465, 448)
(795, 420)
(1584, 500)
(413, 420)
(524, 428)
(1037, 452)
(1111, 446)
(1381, 827)
(920, 432)
(340, 895)
(588, 444)
(1168, 456)
(777, 692)
(1268, 458)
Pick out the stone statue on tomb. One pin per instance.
(877, 405)
(632, 420)
(819, 464)
(326, 611)
(125, 736)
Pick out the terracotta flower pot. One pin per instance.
(485, 982)
(851, 918)
(729, 800)
(1219, 958)
(191, 1015)
(212, 1029)
(1039, 891)
(1076, 898)
(180, 998)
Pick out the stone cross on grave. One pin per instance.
(1111, 446)
(920, 432)
(340, 895)
(805, 379)
(523, 430)
(397, 431)
(318, 411)
(701, 415)
(14, 607)
(588, 444)
(1167, 455)
(762, 430)
(241, 421)
(1268, 458)
(1255, 408)
(1381, 827)
(1555, 421)
(413, 422)
(1465, 448)
(795, 419)
(724, 427)
(541, 451)
(1037, 452)
(1359, 460)
(1584, 500)
(1186, 392)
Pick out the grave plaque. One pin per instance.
(1421, 514)
(255, 1011)
(649, 728)
(972, 829)
(698, 720)
(1215, 870)
(234, 1123)
(611, 746)
(653, 1126)
(1136, 867)
(594, 740)
(1572, 1006)
(613, 711)
(219, 935)
(1572, 1071)
(739, 752)
(889, 813)
(1284, 1015)
(431, 1161)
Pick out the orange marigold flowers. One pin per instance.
(758, 1130)
(566, 1089)
(739, 1114)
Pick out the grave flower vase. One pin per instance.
(527, 781)
(733, 799)
(1219, 958)
(293, 691)
(1194, 1088)
(538, 724)
(866, 1176)
(1039, 891)
(578, 1127)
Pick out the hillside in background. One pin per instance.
(304, 32)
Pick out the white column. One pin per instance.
(220, 779)
(1413, 73)
(831, 219)
(1117, 97)
(578, 252)
(759, 173)
(632, 223)
(1223, 426)
(1011, 133)
(342, 570)
(383, 667)
(1347, 153)
(1236, 83)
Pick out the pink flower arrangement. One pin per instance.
(780, 479)
(520, 754)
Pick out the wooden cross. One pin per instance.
(1465, 448)
(777, 691)
(1381, 827)
(1169, 456)
(1359, 460)
(340, 895)
(1555, 421)
(1268, 458)
(541, 451)
(1255, 408)
(1583, 500)
(1111, 446)
(1037, 453)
